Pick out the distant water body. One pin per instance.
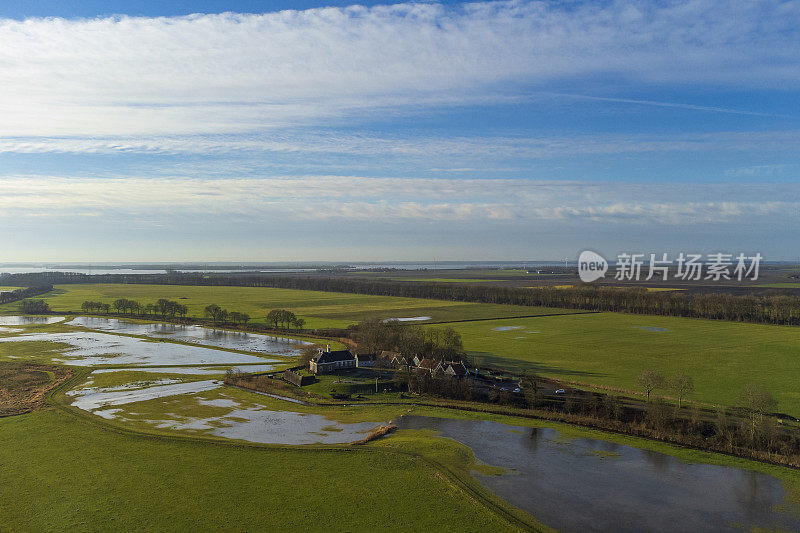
(111, 268)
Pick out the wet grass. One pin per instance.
(72, 475)
(320, 309)
(43, 352)
(611, 349)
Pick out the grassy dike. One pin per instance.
(63, 470)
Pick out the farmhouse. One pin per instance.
(456, 369)
(428, 365)
(452, 369)
(365, 360)
(328, 361)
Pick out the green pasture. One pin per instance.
(611, 349)
(448, 280)
(72, 475)
(320, 309)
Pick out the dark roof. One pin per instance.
(332, 357)
(458, 369)
(389, 355)
(366, 356)
(428, 364)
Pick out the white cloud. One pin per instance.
(396, 200)
(533, 146)
(238, 73)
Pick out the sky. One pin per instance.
(309, 131)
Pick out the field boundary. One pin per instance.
(570, 313)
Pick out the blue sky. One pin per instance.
(225, 131)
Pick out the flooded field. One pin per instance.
(409, 319)
(233, 419)
(230, 340)
(96, 399)
(93, 349)
(28, 320)
(592, 485)
(194, 370)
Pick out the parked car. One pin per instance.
(517, 390)
(561, 391)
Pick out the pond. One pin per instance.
(230, 340)
(92, 348)
(27, 320)
(591, 485)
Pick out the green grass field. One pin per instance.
(448, 280)
(72, 475)
(789, 285)
(611, 349)
(320, 309)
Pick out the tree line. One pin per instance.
(24, 292)
(277, 318)
(770, 307)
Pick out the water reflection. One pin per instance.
(27, 320)
(92, 348)
(591, 485)
(230, 340)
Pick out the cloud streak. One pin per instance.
(394, 200)
(237, 73)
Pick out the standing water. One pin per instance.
(591, 485)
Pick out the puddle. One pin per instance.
(92, 349)
(585, 484)
(230, 340)
(27, 320)
(651, 328)
(507, 328)
(408, 319)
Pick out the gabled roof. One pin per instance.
(457, 369)
(332, 357)
(366, 356)
(428, 364)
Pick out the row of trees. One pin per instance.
(27, 292)
(163, 307)
(170, 309)
(34, 307)
(218, 315)
(284, 319)
(769, 306)
(756, 403)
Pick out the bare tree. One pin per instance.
(682, 384)
(650, 380)
(758, 402)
